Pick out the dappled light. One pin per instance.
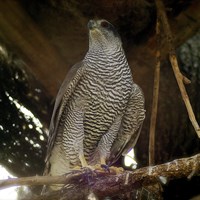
(20, 129)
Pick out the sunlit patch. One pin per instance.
(30, 126)
(9, 193)
(27, 164)
(1, 127)
(39, 130)
(3, 52)
(27, 113)
(16, 75)
(31, 141)
(129, 159)
(37, 145)
(41, 137)
(29, 116)
(17, 142)
(38, 90)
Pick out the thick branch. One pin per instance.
(173, 59)
(103, 184)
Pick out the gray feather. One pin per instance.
(67, 88)
(131, 125)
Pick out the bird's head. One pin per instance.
(103, 34)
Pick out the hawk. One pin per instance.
(99, 110)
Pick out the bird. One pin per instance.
(99, 109)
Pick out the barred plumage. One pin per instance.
(98, 110)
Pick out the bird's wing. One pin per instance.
(131, 125)
(68, 86)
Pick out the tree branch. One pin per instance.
(104, 184)
(155, 98)
(173, 59)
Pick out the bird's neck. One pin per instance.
(109, 66)
(106, 58)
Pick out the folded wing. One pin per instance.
(130, 127)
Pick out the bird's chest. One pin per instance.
(105, 93)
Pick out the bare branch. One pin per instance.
(155, 98)
(48, 180)
(174, 63)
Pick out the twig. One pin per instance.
(173, 59)
(104, 184)
(155, 98)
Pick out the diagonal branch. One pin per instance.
(103, 184)
(173, 59)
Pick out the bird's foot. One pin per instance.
(105, 167)
(116, 170)
(108, 169)
(89, 174)
(101, 168)
(77, 168)
(87, 168)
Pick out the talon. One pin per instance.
(88, 168)
(105, 167)
(116, 170)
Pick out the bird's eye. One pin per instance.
(104, 24)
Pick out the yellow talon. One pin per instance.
(116, 170)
